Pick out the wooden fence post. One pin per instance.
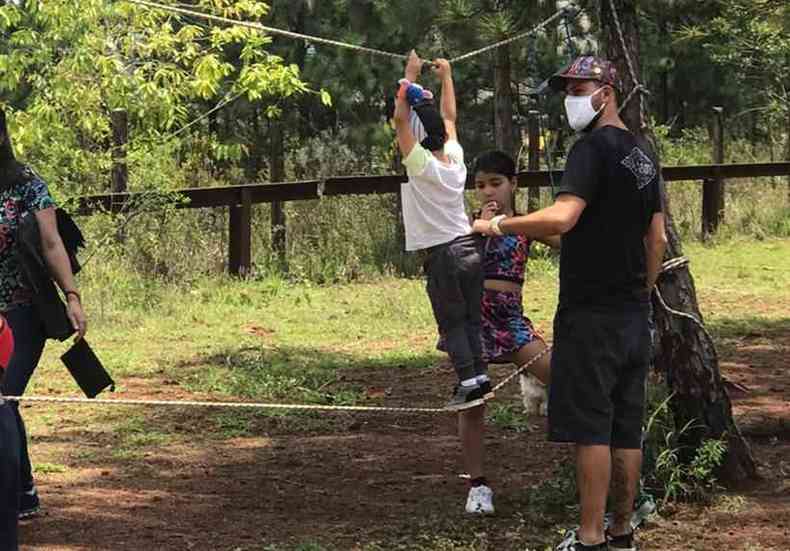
(240, 236)
(713, 188)
(533, 161)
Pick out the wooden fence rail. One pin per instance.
(239, 199)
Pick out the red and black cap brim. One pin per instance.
(559, 81)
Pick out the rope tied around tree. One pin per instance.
(669, 266)
(638, 88)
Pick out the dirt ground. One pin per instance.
(348, 481)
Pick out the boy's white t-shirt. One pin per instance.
(433, 199)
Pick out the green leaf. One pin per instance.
(326, 98)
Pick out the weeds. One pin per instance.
(666, 473)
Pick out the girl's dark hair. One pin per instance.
(11, 171)
(495, 162)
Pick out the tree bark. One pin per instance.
(685, 355)
(120, 170)
(503, 103)
(120, 135)
(277, 163)
(713, 189)
(787, 152)
(533, 194)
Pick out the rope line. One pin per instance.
(521, 369)
(254, 405)
(667, 266)
(539, 27)
(638, 87)
(563, 12)
(211, 404)
(208, 113)
(264, 28)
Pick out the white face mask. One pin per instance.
(580, 111)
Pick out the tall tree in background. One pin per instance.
(750, 41)
(686, 355)
(499, 78)
(64, 67)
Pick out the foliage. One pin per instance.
(320, 111)
(748, 40)
(64, 68)
(666, 472)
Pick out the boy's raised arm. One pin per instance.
(444, 72)
(406, 139)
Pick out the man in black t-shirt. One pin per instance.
(608, 210)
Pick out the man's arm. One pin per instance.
(557, 219)
(553, 241)
(442, 69)
(406, 139)
(655, 246)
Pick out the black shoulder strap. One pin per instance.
(70, 233)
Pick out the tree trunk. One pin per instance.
(533, 193)
(666, 39)
(685, 355)
(787, 153)
(713, 188)
(120, 135)
(277, 161)
(120, 170)
(503, 103)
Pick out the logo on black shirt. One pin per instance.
(641, 166)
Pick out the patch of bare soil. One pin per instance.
(347, 480)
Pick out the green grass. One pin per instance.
(510, 417)
(743, 267)
(50, 468)
(269, 339)
(273, 340)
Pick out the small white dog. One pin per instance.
(534, 395)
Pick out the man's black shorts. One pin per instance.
(599, 368)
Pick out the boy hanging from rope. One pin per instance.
(435, 220)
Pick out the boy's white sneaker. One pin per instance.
(480, 500)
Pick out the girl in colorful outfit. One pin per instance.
(508, 336)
